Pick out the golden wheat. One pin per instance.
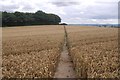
(31, 51)
(94, 51)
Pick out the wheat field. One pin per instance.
(34, 51)
(94, 51)
(31, 51)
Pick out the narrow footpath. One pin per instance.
(65, 65)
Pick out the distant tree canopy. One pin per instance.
(63, 24)
(22, 19)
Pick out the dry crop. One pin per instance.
(31, 51)
(94, 51)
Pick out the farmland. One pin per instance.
(94, 51)
(0, 52)
(38, 51)
(31, 51)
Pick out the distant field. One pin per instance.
(31, 51)
(34, 51)
(94, 51)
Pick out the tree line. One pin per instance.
(22, 19)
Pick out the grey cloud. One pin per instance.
(98, 12)
(27, 7)
(100, 2)
(16, 7)
(105, 12)
(105, 17)
(11, 7)
(60, 4)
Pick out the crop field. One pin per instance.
(94, 51)
(36, 51)
(0, 52)
(31, 51)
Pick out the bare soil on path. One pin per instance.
(65, 66)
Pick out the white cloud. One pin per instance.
(71, 11)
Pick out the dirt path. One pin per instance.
(65, 66)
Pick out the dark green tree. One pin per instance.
(21, 19)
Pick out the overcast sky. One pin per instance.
(70, 11)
